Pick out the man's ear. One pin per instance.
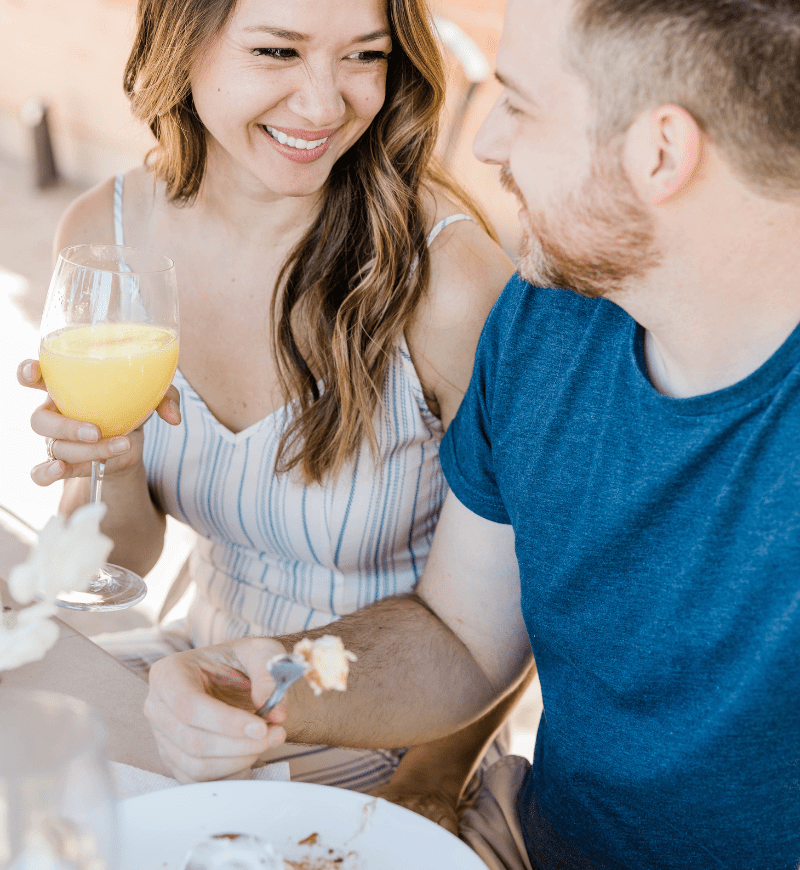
(665, 147)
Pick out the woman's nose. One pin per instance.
(318, 98)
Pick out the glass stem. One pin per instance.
(98, 468)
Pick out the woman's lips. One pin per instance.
(300, 155)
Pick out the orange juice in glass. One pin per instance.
(113, 374)
(108, 352)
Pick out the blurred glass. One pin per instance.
(57, 809)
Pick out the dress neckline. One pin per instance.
(404, 361)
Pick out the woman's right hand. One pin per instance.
(76, 443)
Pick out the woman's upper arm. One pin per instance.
(88, 220)
(468, 273)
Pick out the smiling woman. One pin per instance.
(212, 87)
(333, 282)
(258, 79)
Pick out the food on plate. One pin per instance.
(250, 852)
(232, 852)
(315, 864)
(327, 662)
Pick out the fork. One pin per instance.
(285, 669)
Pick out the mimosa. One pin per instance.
(112, 374)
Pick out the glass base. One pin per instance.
(114, 588)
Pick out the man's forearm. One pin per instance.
(441, 688)
(427, 666)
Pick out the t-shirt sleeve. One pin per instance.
(466, 450)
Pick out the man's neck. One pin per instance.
(724, 300)
(706, 364)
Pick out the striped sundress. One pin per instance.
(275, 556)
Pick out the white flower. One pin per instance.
(66, 557)
(25, 636)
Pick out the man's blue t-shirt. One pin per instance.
(658, 542)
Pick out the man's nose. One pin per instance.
(318, 99)
(491, 140)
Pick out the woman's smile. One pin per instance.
(302, 146)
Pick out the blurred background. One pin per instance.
(65, 58)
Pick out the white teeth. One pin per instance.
(293, 142)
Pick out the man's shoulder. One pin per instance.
(521, 298)
(531, 320)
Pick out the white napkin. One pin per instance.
(131, 781)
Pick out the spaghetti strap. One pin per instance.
(446, 223)
(119, 233)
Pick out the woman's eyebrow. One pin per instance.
(278, 32)
(294, 36)
(371, 37)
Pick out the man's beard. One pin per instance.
(595, 241)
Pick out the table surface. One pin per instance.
(76, 666)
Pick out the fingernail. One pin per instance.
(119, 445)
(53, 469)
(27, 371)
(87, 433)
(176, 411)
(256, 730)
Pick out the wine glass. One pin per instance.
(57, 807)
(108, 353)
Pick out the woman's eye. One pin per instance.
(277, 53)
(511, 110)
(369, 56)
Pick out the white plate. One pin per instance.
(158, 828)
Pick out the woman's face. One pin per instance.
(288, 86)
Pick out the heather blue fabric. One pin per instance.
(659, 549)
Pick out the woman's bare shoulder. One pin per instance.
(468, 268)
(90, 218)
(468, 271)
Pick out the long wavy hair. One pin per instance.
(350, 286)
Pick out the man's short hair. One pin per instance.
(733, 64)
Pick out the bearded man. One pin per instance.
(624, 470)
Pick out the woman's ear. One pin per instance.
(664, 149)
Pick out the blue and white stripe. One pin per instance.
(275, 555)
